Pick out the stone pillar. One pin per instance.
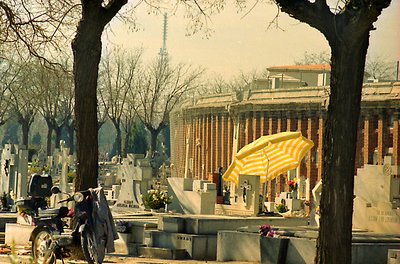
(396, 139)
(369, 136)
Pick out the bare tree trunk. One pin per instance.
(118, 138)
(87, 51)
(48, 142)
(153, 140)
(340, 137)
(86, 48)
(71, 138)
(25, 133)
(58, 131)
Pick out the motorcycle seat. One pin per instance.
(48, 212)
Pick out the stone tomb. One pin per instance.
(377, 202)
(197, 234)
(135, 174)
(191, 196)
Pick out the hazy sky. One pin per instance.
(244, 43)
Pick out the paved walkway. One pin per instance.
(126, 260)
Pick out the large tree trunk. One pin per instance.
(86, 48)
(48, 141)
(153, 140)
(25, 133)
(71, 138)
(340, 137)
(118, 138)
(87, 51)
(58, 131)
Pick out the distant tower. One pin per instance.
(163, 51)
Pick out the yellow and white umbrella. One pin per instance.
(269, 156)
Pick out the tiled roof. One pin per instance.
(310, 67)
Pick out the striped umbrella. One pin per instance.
(269, 156)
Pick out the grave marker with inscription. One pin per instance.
(135, 173)
(377, 201)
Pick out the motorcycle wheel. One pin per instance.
(41, 248)
(93, 253)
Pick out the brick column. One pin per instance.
(262, 124)
(254, 128)
(223, 143)
(321, 120)
(369, 136)
(280, 179)
(289, 126)
(208, 147)
(230, 140)
(240, 132)
(192, 143)
(203, 147)
(312, 134)
(198, 147)
(212, 144)
(382, 136)
(193, 146)
(217, 151)
(302, 127)
(359, 145)
(247, 129)
(396, 139)
(270, 124)
(273, 124)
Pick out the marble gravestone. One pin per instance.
(135, 173)
(246, 201)
(377, 198)
(14, 171)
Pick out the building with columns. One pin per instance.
(206, 132)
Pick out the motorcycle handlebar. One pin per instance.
(66, 200)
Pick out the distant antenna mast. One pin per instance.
(163, 50)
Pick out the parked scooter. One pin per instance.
(49, 241)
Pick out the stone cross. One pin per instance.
(135, 173)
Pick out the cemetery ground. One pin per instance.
(205, 223)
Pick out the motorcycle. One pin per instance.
(50, 241)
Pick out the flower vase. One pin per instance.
(294, 194)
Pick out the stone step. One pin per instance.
(162, 253)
